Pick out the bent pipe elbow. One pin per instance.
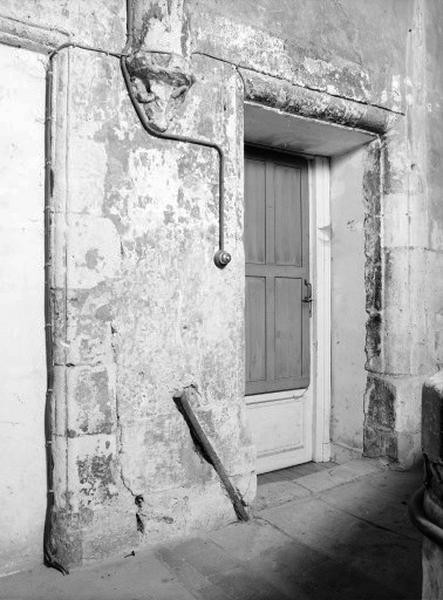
(221, 257)
(419, 518)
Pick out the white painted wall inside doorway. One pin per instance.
(22, 333)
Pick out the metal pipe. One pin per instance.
(221, 257)
(204, 445)
(48, 547)
(419, 518)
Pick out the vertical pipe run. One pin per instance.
(48, 546)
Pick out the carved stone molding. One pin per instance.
(160, 83)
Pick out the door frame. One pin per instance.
(319, 389)
(320, 248)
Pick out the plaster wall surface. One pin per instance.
(348, 296)
(22, 331)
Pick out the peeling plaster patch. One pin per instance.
(105, 312)
(93, 258)
(92, 400)
(96, 478)
(91, 238)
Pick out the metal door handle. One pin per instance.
(308, 298)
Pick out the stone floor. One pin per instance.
(320, 532)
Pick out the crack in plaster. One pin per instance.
(119, 428)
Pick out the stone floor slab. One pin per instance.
(380, 508)
(274, 493)
(250, 540)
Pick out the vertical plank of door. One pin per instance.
(255, 213)
(288, 327)
(270, 258)
(306, 323)
(270, 212)
(288, 216)
(255, 329)
(270, 328)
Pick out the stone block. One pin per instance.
(406, 320)
(372, 181)
(84, 400)
(393, 416)
(380, 442)
(82, 325)
(92, 473)
(380, 403)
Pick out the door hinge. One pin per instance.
(308, 296)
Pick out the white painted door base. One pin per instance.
(292, 427)
(281, 423)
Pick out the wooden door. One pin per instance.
(277, 313)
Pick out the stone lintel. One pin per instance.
(314, 104)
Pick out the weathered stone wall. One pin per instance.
(432, 391)
(140, 309)
(147, 312)
(434, 180)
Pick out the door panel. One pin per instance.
(288, 221)
(276, 247)
(288, 328)
(255, 238)
(278, 425)
(279, 399)
(256, 328)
